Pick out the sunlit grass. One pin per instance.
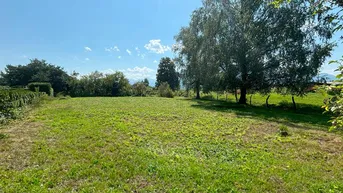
(170, 145)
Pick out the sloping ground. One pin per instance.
(167, 145)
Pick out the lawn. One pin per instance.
(152, 144)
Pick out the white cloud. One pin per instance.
(155, 46)
(87, 59)
(112, 49)
(138, 73)
(108, 71)
(88, 49)
(137, 49)
(24, 56)
(142, 56)
(155, 61)
(119, 57)
(128, 51)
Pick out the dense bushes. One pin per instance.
(99, 84)
(41, 87)
(164, 90)
(12, 101)
(35, 71)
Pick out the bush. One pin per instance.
(283, 131)
(139, 89)
(14, 100)
(164, 90)
(41, 87)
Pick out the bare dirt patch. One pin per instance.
(15, 149)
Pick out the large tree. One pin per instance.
(196, 49)
(166, 72)
(255, 45)
(36, 71)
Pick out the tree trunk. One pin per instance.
(250, 99)
(226, 96)
(294, 105)
(217, 95)
(243, 98)
(267, 101)
(197, 90)
(236, 95)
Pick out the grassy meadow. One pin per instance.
(151, 144)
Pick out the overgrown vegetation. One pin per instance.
(14, 101)
(164, 90)
(99, 84)
(41, 87)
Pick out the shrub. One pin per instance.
(283, 131)
(41, 87)
(139, 89)
(14, 100)
(164, 90)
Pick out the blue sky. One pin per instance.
(106, 35)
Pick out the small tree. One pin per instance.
(139, 89)
(164, 90)
(146, 82)
(167, 73)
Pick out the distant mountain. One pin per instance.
(328, 77)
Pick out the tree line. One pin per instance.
(253, 46)
(93, 84)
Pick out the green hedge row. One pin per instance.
(41, 87)
(12, 101)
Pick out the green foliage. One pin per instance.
(164, 90)
(36, 71)
(283, 131)
(166, 72)
(13, 101)
(146, 82)
(334, 102)
(99, 84)
(253, 46)
(139, 89)
(3, 136)
(41, 87)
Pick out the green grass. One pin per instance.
(171, 145)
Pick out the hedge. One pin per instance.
(12, 101)
(41, 87)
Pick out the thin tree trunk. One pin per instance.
(226, 96)
(250, 99)
(236, 95)
(243, 98)
(267, 104)
(294, 105)
(197, 90)
(217, 95)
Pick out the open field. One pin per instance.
(171, 145)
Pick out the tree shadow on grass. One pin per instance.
(282, 113)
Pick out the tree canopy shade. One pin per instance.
(251, 45)
(166, 72)
(36, 71)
